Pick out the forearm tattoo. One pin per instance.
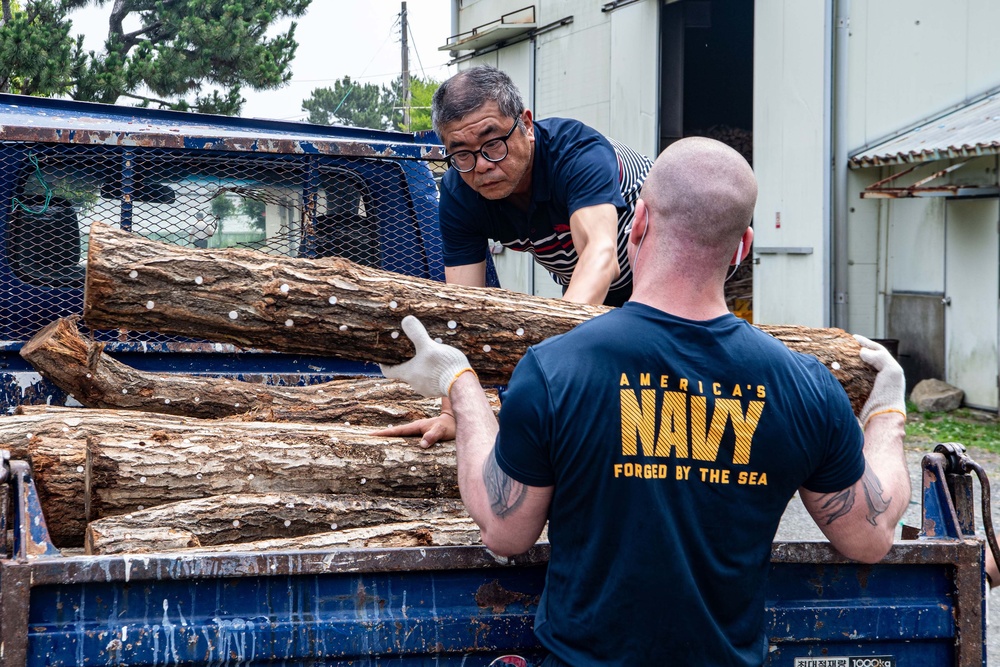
(877, 504)
(505, 494)
(838, 504)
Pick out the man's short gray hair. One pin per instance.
(470, 89)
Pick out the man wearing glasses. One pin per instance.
(553, 187)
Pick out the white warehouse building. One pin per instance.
(875, 139)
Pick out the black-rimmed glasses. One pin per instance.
(493, 150)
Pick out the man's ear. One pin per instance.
(744, 248)
(529, 124)
(747, 242)
(639, 219)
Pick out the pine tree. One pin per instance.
(349, 103)
(370, 105)
(35, 49)
(180, 48)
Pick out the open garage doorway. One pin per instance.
(706, 89)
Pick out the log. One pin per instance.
(139, 540)
(446, 532)
(135, 460)
(81, 369)
(238, 518)
(57, 466)
(334, 307)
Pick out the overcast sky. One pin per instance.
(337, 38)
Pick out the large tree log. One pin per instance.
(81, 369)
(135, 460)
(335, 307)
(238, 518)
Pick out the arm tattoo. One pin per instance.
(838, 504)
(877, 504)
(505, 494)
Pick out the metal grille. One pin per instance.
(363, 209)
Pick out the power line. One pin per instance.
(415, 51)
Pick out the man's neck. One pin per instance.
(520, 200)
(684, 297)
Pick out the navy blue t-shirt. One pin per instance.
(674, 447)
(573, 167)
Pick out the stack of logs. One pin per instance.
(159, 462)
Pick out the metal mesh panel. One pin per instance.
(363, 209)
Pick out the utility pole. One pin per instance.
(406, 68)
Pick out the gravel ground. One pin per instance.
(798, 525)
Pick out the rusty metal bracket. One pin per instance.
(881, 189)
(940, 518)
(31, 534)
(962, 464)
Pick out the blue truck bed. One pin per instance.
(922, 606)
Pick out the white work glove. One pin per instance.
(433, 368)
(889, 391)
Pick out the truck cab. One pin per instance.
(201, 181)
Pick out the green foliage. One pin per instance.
(178, 48)
(223, 207)
(421, 93)
(254, 210)
(970, 428)
(35, 50)
(369, 105)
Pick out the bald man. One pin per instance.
(663, 440)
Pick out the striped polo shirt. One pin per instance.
(574, 167)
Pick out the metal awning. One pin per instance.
(507, 27)
(972, 130)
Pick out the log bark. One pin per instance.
(239, 518)
(82, 369)
(446, 532)
(135, 460)
(335, 307)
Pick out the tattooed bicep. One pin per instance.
(835, 505)
(505, 494)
